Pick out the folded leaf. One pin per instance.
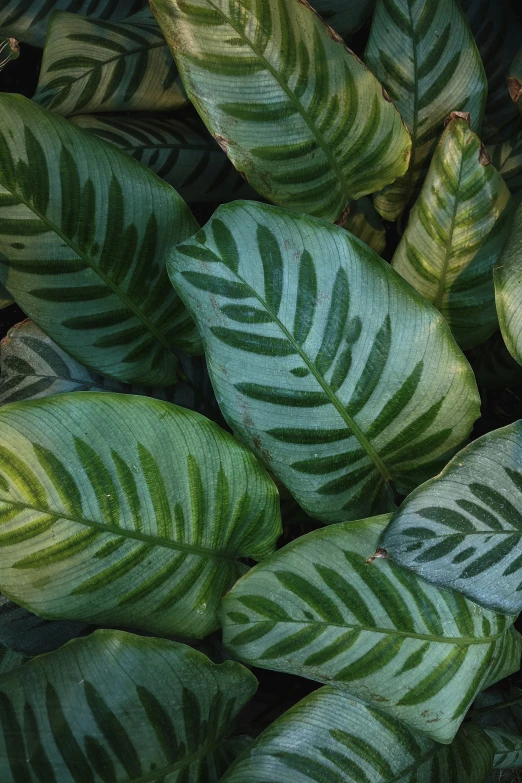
(455, 235)
(118, 707)
(508, 289)
(27, 20)
(463, 529)
(299, 114)
(331, 367)
(84, 231)
(507, 158)
(33, 366)
(94, 65)
(181, 152)
(329, 737)
(124, 510)
(318, 609)
(425, 56)
(345, 16)
(515, 80)
(27, 635)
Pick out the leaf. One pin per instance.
(345, 16)
(330, 737)
(455, 235)
(364, 222)
(299, 114)
(497, 33)
(27, 635)
(426, 58)
(119, 509)
(305, 331)
(5, 297)
(515, 80)
(84, 231)
(508, 289)
(502, 725)
(119, 707)
(318, 609)
(33, 366)
(181, 152)
(94, 65)
(463, 529)
(27, 20)
(9, 660)
(507, 158)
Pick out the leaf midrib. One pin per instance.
(449, 242)
(122, 532)
(323, 144)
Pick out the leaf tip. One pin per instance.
(458, 115)
(379, 553)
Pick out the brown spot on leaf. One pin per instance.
(515, 89)
(484, 158)
(458, 115)
(343, 217)
(223, 143)
(386, 96)
(379, 552)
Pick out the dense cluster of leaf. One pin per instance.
(181, 396)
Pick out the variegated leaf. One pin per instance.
(499, 713)
(319, 609)
(125, 510)
(508, 289)
(364, 222)
(424, 54)
(507, 158)
(93, 65)
(298, 113)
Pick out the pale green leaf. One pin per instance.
(28, 635)
(32, 366)
(330, 738)
(515, 80)
(318, 609)
(425, 56)
(297, 112)
(125, 510)
(455, 234)
(345, 16)
(84, 231)
(507, 158)
(332, 368)
(508, 289)
(27, 20)
(182, 152)
(93, 65)
(118, 707)
(463, 529)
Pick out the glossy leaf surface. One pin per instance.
(94, 65)
(118, 707)
(298, 113)
(316, 608)
(423, 53)
(143, 530)
(182, 152)
(455, 235)
(463, 529)
(305, 331)
(508, 289)
(84, 231)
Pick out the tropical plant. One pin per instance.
(239, 437)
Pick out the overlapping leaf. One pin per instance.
(330, 737)
(329, 365)
(463, 529)
(316, 608)
(455, 235)
(364, 222)
(181, 152)
(298, 113)
(515, 80)
(502, 724)
(119, 707)
(9, 660)
(497, 33)
(345, 16)
(27, 20)
(32, 366)
(507, 158)
(84, 231)
(94, 65)
(145, 529)
(423, 53)
(508, 289)
(28, 635)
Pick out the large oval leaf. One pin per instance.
(316, 608)
(84, 231)
(455, 234)
(426, 58)
(508, 289)
(182, 152)
(329, 365)
(298, 113)
(118, 707)
(329, 738)
(463, 529)
(128, 511)
(27, 20)
(32, 366)
(507, 158)
(94, 65)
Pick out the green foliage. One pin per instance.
(241, 431)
